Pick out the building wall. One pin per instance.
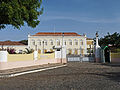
(26, 60)
(74, 48)
(20, 57)
(90, 46)
(16, 47)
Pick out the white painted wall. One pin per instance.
(3, 56)
(57, 54)
(35, 55)
(64, 52)
(61, 54)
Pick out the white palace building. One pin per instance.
(74, 43)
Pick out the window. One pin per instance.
(51, 42)
(76, 42)
(70, 51)
(70, 42)
(58, 42)
(65, 43)
(81, 42)
(76, 52)
(45, 42)
(39, 42)
(39, 51)
(82, 51)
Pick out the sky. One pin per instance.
(80, 16)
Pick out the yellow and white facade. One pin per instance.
(44, 42)
(90, 46)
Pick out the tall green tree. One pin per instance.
(17, 12)
(112, 39)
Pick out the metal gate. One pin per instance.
(80, 58)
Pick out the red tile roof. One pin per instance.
(10, 43)
(56, 34)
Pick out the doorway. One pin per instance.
(107, 55)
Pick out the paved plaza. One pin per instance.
(75, 76)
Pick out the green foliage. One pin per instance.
(17, 12)
(25, 42)
(112, 39)
(28, 51)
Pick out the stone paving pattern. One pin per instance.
(75, 76)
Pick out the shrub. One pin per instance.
(28, 51)
(11, 50)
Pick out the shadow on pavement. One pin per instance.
(111, 64)
(115, 76)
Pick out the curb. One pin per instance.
(30, 71)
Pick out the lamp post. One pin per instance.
(62, 38)
(80, 54)
(43, 46)
(97, 49)
(62, 46)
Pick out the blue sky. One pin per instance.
(81, 16)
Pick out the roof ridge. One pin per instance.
(57, 33)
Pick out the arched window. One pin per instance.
(76, 51)
(51, 42)
(65, 43)
(39, 42)
(39, 51)
(33, 42)
(81, 42)
(58, 42)
(70, 42)
(45, 50)
(45, 42)
(76, 42)
(69, 51)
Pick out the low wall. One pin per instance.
(46, 56)
(20, 57)
(3, 56)
(26, 60)
(115, 57)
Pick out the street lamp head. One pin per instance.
(97, 34)
(63, 34)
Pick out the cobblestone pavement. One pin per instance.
(75, 76)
